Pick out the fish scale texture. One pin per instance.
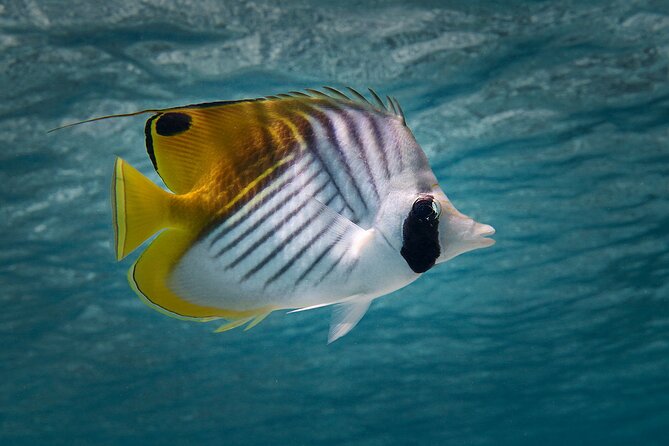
(548, 120)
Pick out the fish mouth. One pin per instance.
(481, 233)
(463, 234)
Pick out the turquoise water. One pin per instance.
(548, 120)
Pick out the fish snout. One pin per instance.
(460, 233)
(479, 234)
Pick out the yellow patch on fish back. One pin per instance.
(232, 142)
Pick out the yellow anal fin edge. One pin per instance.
(253, 321)
(232, 324)
(258, 319)
(150, 274)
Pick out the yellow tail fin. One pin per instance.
(139, 208)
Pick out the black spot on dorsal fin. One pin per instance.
(172, 123)
(167, 124)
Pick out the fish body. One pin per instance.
(287, 202)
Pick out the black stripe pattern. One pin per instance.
(284, 241)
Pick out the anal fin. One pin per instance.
(150, 277)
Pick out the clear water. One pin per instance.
(548, 120)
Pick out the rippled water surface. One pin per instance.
(548, 120)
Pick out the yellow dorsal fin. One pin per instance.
(230, 142)
(236, 141)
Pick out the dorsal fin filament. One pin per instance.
(392, 107)
(101, 118)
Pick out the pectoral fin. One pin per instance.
(346, 316)
(341, 228)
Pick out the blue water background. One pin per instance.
(548, 120)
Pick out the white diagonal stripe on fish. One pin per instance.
(328, 143)
(294, 215)
(353, 152)
(283, 192)
(280, 209)
(267, 194)
(274, 191)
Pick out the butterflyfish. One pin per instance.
(288, 202)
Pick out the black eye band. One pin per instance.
(420, 233)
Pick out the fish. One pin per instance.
(294, 201)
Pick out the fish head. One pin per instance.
(459, 233)
(427, 229)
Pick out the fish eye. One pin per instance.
(426, 208)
